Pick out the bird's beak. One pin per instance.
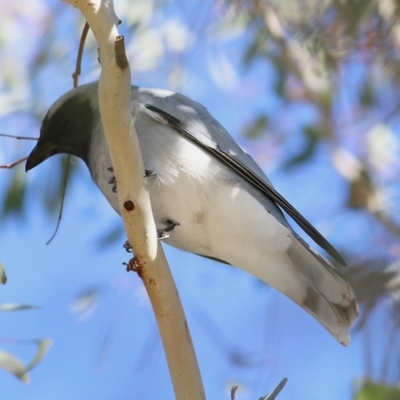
(40, 153)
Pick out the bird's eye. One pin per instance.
(63, 122)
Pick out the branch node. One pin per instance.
(134, 266)
(120, 55)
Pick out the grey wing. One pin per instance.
(193, 121)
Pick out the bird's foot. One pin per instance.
(162, 235)
(127, 246)
(165, 232)
(112, 181)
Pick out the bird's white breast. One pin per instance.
(185, 177)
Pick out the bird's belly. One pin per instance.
(215, 216)
(186, 206)
(223, 222)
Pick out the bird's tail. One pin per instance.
(315, 285)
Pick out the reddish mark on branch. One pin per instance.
(128, 205)
(134, 266)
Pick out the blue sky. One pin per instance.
(244, 332)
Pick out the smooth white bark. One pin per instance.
(115, 100)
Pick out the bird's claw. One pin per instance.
(127, 246)
(165, 232)
(149, 172)
(113, 181)
(162, 234)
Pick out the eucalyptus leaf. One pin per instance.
(276, 391)
(3, 276)
(13, 365)
(258, 127)
(15, 194)
(378, 391)
(43, 346)
(312, 137)
(16, 307)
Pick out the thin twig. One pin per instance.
(64, 190)
(75, 76)
(233, 391)
(19, 137)
(77, 71)
(12, 165)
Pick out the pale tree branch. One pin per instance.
(134, 201)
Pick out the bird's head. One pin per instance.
(67, 126)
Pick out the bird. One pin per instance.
(208, 196)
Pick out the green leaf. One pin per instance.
(367, 94)
(377, 391)
(258, 127)
(16, 307)
(13, 365)
(282, 73)
(256, 48)
(312, 136)
(15, 194)
(3, 276)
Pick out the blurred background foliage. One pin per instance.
(331, 69)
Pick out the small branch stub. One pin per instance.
(120, 55)
(128, 205)
(134, 266)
